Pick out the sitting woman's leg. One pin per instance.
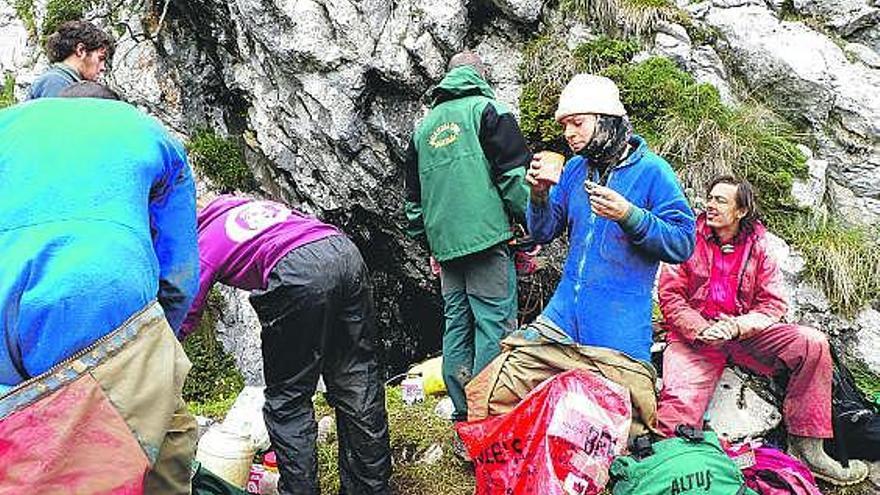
(690, 374)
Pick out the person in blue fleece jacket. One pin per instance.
(98, 267)
(98, 221)
(624, 212)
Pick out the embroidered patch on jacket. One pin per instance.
(444, 135)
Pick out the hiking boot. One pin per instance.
(810, 452)
(459, 449)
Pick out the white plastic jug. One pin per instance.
(226, 454)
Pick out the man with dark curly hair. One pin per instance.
(79, 51)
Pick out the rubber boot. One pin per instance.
(810, 452)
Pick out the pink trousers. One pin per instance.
(691, 372)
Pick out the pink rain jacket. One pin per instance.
(684, 288)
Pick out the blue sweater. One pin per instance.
(51, 82)
(98, 220)
(604, 296)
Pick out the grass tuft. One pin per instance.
(844, 261)
(413, 429)
(624, 17)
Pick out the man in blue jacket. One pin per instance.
(79, 51)
(98, 266)
(624, 212)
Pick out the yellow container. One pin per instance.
(432, 375)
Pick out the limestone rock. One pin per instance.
(525, 10)
(863, 54)
(672, 41)
(808, 75)
(238, 331)
(707, 67)
(810, 191)
(737, 412)
(845, 16)
(866, 346)
(853, 209)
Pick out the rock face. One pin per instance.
(806, 74)
(323, 96)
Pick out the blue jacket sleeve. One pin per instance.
(173, 225)
(665, 229)
(546, 222)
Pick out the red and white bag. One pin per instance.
(560, 439)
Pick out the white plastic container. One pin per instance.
(412, 389)
(226, 454)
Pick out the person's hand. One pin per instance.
(539, 187)
(435, 266)
(723, 330)
(608, 203)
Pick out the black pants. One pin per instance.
(317, 318)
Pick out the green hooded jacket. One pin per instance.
(465, 169)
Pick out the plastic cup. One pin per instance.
(551, 167)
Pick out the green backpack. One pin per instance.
(691, 463)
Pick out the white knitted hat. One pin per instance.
(586, 93)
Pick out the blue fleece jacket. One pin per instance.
(98, 220)
(50, 83)
(604, 296)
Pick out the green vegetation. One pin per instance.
(7, 91)
(844, 261)
(221, 160)
(25, 11)
(213, 382)
(413, 429)
(61, 11)
(624, 17)
(866, 380)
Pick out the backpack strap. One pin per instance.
(641, 447)
(689, 433)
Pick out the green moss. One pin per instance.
(221, 160)
(25, 11)
(7, 91)
(61, 11)
(213, 382)
(844, 261)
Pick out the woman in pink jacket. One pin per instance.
(727, 302)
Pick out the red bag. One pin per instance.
(560, 439)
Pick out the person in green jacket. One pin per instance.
(465, 169)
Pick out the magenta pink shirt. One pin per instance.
(241, 240)
(723, 281)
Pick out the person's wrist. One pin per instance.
(539, 196)
(631, 219)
